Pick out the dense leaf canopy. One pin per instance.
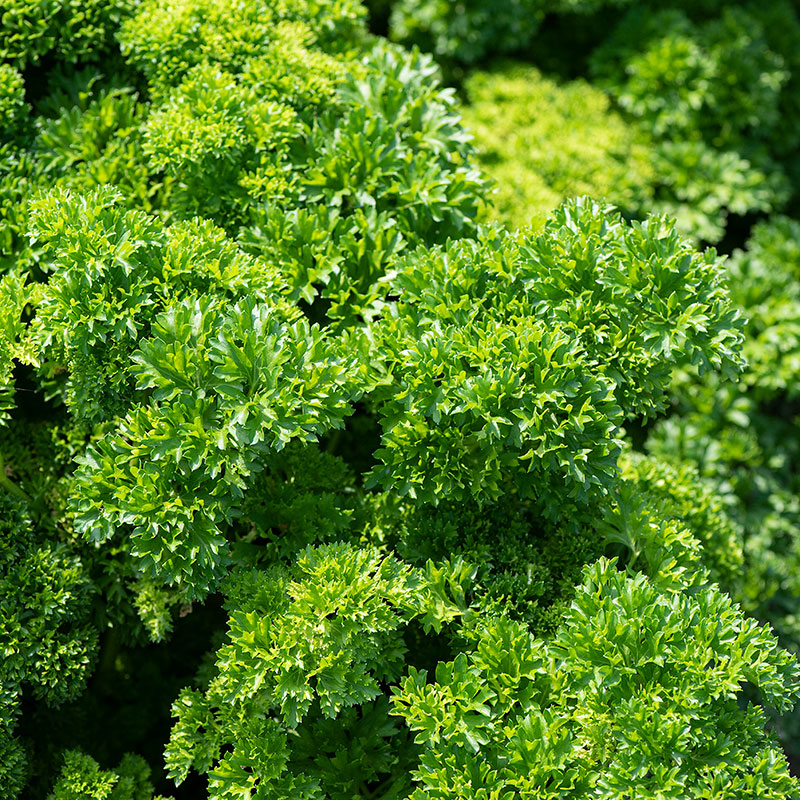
(352, 448)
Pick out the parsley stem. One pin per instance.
(10, 486)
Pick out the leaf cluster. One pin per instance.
(615, 706)
(518, 356)
(544, 141)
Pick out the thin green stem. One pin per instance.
(10, 486)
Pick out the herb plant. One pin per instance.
(316, 484)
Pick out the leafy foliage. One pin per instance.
(165, 40)
(473, 31)
(582, 714)
(178, 467)
(72, 30)
(117, 270)
(82, 778)
(714, 94)
(490, 342)
(543, 142)
(658, 492)
(701, 186)
(260, 361)
(527, 567)
(46, 637)
(345, 607)
(674, 73)
(268, 124)
(12, 99)
(469, 31)
(764, 280)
